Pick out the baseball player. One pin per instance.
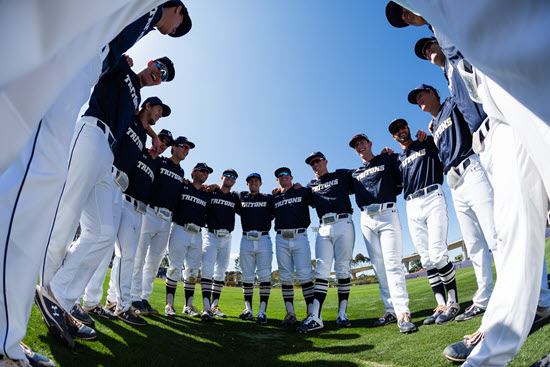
(216, 246)
(377, 183)
(512, 142)
(422, 175)
(185, 242)
(471, 191)
(112, 105)
(128, 158)
(155, 227)
(43, 161)
(291, 209)
(335, 240)
(256, 250)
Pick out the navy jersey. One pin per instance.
(473, 112)
(141, 179)
(420, 166)
(291, 208)
(222, 209)
(130, 35)
(130, 146)
(192, 206)
(115, 98)
(331, 192)
(167, 184)
(451, 135)
(378, 180)
(256, 211)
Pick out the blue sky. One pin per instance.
(261, 84)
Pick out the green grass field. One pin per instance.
(232, 342)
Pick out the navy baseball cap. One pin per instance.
(393, 13)
(420, 46)
(412, 95)
(280, 170)
(252, 175)
(202, 167)
(166, 111)
(167, 134)
(396, 122)
(169, 66)
(186, 24)
(314, 155)
(231, 171)
(184, 140)
(357, 137)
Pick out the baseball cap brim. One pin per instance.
(185, 25)
(396, 122)
(282, 169)
(421, 45)
(171, 140)
(393, 13)
(312, 157)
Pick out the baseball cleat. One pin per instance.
(289, 319)
(247, 315)
(470, 313)
(342, 320)
(261, 318)
(449, 314)
(206, 315)
(169, 311)
(309, 324)
(388, 318)
(542, 314)
(130, 317)
(110, 306)
(191, 311)
(437, 311)
(35, 359)
(150, 310)
(217, 312)
(99, 311)
(78, 330)
(78, 313)
(459, 352)
(139, 308)
(405, 324)
(53, 315)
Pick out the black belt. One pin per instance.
(298, 231)
(339, 216)
(262, 233)
(484, 129)
(384, 206)
(463, 165)
(110, 138)
(131, 200)
(423, 192)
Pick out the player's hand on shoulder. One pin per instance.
(297, 185)
(129, 60)
(431, 126)
(276, 191)
(422, 135)
(386, 150)
(185, 181)
(153, 153)
(210, 188)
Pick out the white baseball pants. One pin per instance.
(428, 221)
(94, 290)
(293, 254)
(474, 207)
(215, 256)
(152, 243)
(256, 256)
(184, 248)
(384, 242)
(335, 241)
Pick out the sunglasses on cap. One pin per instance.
(229, 175)
(427, 48)
(283, 174)
(165, 140)
(163, 71)
(202, 170)
(184, 146)
(314, 161)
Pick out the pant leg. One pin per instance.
(371, 236)
(222, 259)
(193, 259)
(324, 252)
(178, 245)
(98, 237)
(209, 253)
(419, 231)
(301, 255)
(148, 222)
(391, 245)
(285, 263)
(247, 257)
(264, 258)
(520, 208)
(435, 209)
(344, 242)
(158, 245)
(94, 290)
